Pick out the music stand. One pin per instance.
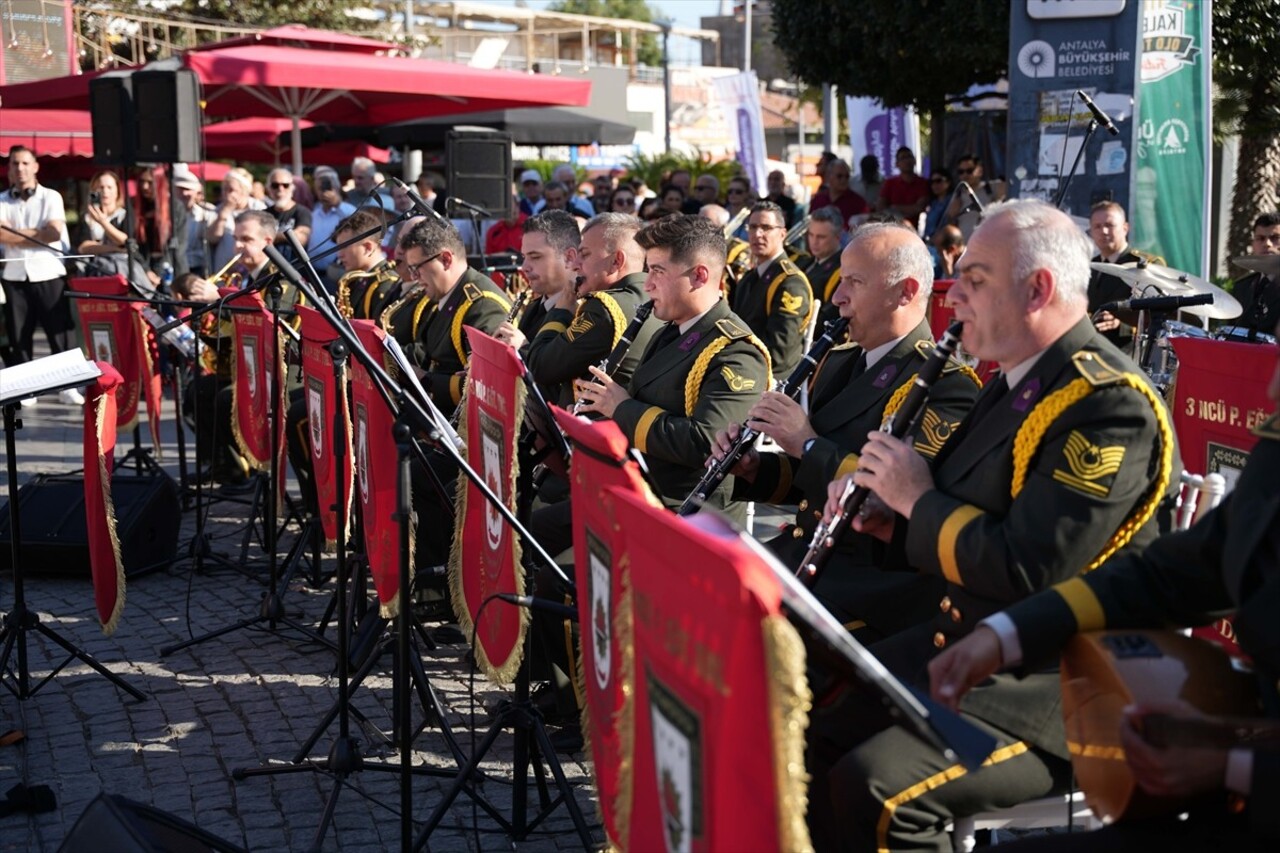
(20, 620)
(937, 726)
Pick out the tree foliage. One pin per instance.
(318, 14)
(904, 52)
(648, 51)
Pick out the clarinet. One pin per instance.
(609, 364)
(719, 469)
(521, 298)
(897, 425)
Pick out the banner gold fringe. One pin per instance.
(104, 483)
(789, 704)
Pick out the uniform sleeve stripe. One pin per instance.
(642, 427)
(455, 386)
(784, 481)
(554, 326)
(1084, 604)
(848, 465)
(947, 538)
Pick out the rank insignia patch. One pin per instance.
(1091, 469)
(791, 304)
(736, 382)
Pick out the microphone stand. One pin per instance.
(1075, 164)
(412, 416)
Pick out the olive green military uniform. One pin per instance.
(685, 389)
(404, 315)
(1227, 563)
(441, 347)
(364, 294)
(1038, 484)
(824, 278)
(572, 339)
(846, 403)
(775, 306)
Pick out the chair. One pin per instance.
(1196, 496)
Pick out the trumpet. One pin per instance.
(797, 232)
(225, 270)
(719, 469)
(610, 363)
(897, 425)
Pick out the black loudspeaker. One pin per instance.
(167, 109)
(55, 539)
(116, 823)
(480, 169)
(111, 115)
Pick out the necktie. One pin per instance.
(669, 333)
(989, 400)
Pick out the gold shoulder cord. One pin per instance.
(455, 328)
(1031, 434)
(693, 382)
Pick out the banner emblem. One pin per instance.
(362, 450)
(315, 417)
(249, 352)
(677, 756)
(103, 346)
(601, 582)
(491, 436)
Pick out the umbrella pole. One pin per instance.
(295, 140)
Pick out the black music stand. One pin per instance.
(20, 620)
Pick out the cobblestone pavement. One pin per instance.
(251, 696)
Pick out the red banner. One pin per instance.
(105, 565)
(323, 397)
(486, 552)
(375, 466)
(603, 578)
(115, 332)
(256, 368)
(1219, 395)
(721, 697)
(941, 313)
(717, 666)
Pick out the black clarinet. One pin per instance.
(719, 469)
(609, 364)
(897, 425)
(516, 304)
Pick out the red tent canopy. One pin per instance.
(49, 133)
(300, 35)
(329, 86)
(266, 140)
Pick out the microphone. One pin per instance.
(285, 268)
(474, 208)
(564, 611)
(419, 203)
(1098, 115)
(1159, 303)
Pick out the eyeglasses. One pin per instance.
(276, 185)
(764, 229)
(412, 269)
(964, 171)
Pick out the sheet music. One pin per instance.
(411, 376)
(67, 369)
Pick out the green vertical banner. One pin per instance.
(1170, 212)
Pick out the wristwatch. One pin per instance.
(808, 444)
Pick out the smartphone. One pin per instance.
(95, 199)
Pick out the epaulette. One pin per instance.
(736, 248)
(925, 349)
(732, 330)
(471, 291)
(789, 267)
(1093, 368)
(1270, 428)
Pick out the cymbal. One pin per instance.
(1268, 265)
(1157, 280)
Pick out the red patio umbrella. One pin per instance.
(300, 35)
(265, 140)
(330, 86)
(49, 133)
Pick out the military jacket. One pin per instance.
(1229, 561)
(404, 315)
(824, 278)
(684, 391)
(776, 308)
(1104, 288)
(362, 295)
(844, 409)
(1004, 521)
(1259, 296)
(572, 339)
(441, 347)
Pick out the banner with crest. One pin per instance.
(115, 332)
(602, 570)
(485, 558)
(375, 470)
(717, 667)
(257, 367)
(326, 397)
(105, 564)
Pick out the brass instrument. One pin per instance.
(794, 242)
(718, 470)
(226, 270)
(610, 363)
(897, 425)
(736, 222)
(383, 272)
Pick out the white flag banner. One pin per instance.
(740, 99)
(875, 129)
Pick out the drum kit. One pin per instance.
(1156, 332)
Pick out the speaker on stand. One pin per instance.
(112, 120)
(479, 174)
(167, 116)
